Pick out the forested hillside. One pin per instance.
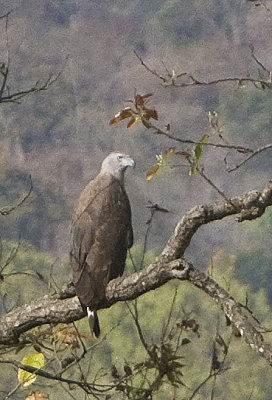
(60, 135)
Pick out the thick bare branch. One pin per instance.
(65, 308)
(248, 206)
(61, 308)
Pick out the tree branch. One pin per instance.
(64, 307)
(249, 205)
(171, 79)
(258, 151)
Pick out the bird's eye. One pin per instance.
(119, 158)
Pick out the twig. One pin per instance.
(240, 149)
(165, 327)
(171, 80)
(153, 72)
(204, 176)
(10, 257)
(251, 47)
(89, 387)
(149, 223)
(258, 151)
(8, 209)
(5, 67)
(12, 391)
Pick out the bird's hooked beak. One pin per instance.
(130, 162)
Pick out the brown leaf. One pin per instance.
(140, 99)
(127, 370)
(183, 153)
(216, 365)
(145, 96)
(123, 114)
(114, 372)
(133, 121)
(168, 152)
(150, 113)
(37, 395)
(152, 171)
(188, 325)
(145, 123)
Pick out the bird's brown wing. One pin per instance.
(100, 232)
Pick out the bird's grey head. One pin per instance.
(115, 164)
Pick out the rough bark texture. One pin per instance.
(64, 307)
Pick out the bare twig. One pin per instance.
(8, 209)
(5, 66)
(6, 96)
(17, 96)
(86, 386)
(158, 131)
(153, 72)
(258, 151)
(135, 317)
(192, 81)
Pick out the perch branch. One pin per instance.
(64, 307)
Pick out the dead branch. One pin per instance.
(189, 80)
(6, 96)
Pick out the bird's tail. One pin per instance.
(93, 322)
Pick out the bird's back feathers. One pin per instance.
(101, 234)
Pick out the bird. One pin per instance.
(101, 234)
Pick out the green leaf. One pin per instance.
(197, 154)
(35, 360)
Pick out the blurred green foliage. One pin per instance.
(253, 267)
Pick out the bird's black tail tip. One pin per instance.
(93, 322)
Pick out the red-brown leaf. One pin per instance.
(168, 152)
(151, 113)
(139, 100)
(123, 114)
(145, 96)
(183, 153)
(133, 121)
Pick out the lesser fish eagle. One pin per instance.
(101, 233)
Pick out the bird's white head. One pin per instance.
(116, 164)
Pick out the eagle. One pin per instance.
(101, 234)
